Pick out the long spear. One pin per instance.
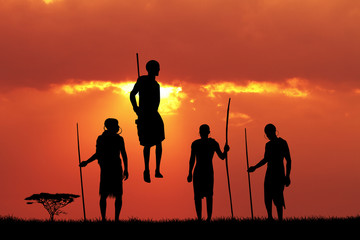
(226, 158)
(81, 180)
(247, 164)
(137, 61)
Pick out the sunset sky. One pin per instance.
(292, 63)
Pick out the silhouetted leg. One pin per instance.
(103, 207)
(268, 204)
(198, 207)
(146, 160)
(268, 199)
(279, 209)
(118, 205)
(158, 153)
(209, 206)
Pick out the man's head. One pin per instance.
(112, 125)
(204, 131)
(270, 131)
(153, 68)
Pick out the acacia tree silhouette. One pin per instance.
(52, 202)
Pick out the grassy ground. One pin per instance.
(289, 228)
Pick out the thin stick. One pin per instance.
(247, 164)
(81, 180)
(137, 61)
(226, 158)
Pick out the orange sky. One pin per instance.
(292, 63)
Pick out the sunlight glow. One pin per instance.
(48, 1)
(290, 89)
(171, 94)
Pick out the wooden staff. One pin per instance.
(247, 164)
(81, 180)
(226, 158)
(137, 61)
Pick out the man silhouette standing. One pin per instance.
(149, 123)
(109, 146)
(202, 151)
(275, 178)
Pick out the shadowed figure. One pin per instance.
(275, 178)
(109, 146)
(150, 125)
(202, 152)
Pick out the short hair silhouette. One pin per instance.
(153, 67)
(270, 128)
(270, 131)
(111, 124)
(204, 130)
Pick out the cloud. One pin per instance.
(292, 88)
(240, 119)
(83, 86)
(171, 95)
(198, 42)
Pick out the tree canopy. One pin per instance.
(52, 202)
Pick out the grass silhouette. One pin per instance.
(236, 223)
(259, 228)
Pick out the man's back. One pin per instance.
(108, 146)
(149, 94)
(204, 150)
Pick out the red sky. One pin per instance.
(292, 63)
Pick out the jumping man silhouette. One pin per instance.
(150, 125)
